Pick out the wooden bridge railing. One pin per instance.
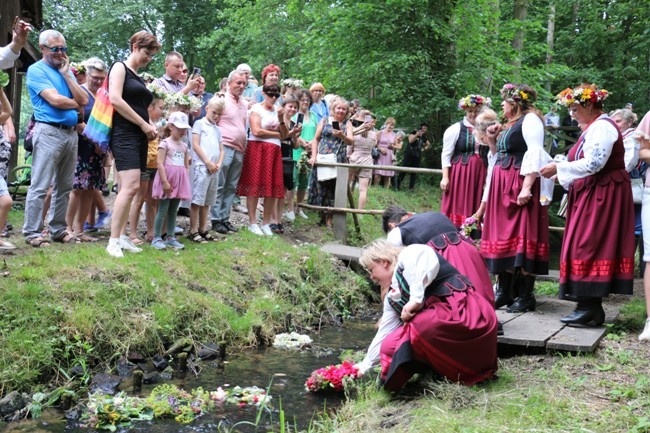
(343, 194)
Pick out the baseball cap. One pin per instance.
(179, 120)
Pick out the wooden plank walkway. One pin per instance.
(535, 330)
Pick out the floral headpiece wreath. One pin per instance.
(77, 68)
(159, 92)
(292, 82)
(471, 101)
(582, 95)
(182, 99)
(517, 93)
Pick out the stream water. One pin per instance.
(285, 370)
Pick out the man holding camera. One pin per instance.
(417, 142)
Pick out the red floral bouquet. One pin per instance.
(332, 377)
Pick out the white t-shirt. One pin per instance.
(210, 135)
(269, 121)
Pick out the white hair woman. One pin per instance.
(433, 318)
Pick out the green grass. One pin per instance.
(65, 305)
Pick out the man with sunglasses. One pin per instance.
(58, 107)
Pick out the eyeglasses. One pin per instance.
(97, 78)
(305, 100)
(273, 95)
(57, 49)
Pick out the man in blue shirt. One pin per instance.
(58, 106)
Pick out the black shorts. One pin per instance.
(129, 149)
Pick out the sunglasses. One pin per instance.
(273, 95)
(57, 49)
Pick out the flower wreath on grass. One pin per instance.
(332, 377)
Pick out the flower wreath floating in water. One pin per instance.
(110, 412)
(332, 378)
(292, 340)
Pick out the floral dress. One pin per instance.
(322, 193)
(89, 172)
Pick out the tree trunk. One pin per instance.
(521, 7)
(550, 39)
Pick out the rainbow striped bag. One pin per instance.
(99, 125)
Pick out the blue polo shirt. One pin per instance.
(41, 76)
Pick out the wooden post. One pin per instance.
(340, 200)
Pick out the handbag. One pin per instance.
(325, 173)
(374, 152)
(637, 190)
(99, 125)
(28, 143)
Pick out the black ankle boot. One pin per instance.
(503, 295)
(526, 299)
(589, 312)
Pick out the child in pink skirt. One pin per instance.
(172, 182)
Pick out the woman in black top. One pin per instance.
(131, 131)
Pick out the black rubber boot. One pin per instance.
(526, 299)
(503, 294)
(588, 312)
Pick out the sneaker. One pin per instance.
(266, 229)
(219, 227)
(254, 228)
(105, 190)
(174, 244)
(178, 230)
(302, 214)
(645, 335)
(290, 216)
(241, 209)
(128, 245)
(158, 244)
(103, 220)
(277, 228)
(230, 226)
(89, 228)
(183, 212)
(114, 248)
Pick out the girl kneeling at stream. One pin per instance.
(433, 318)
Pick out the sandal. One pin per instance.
(86, 238)
(207, 236)
(38, 242)
(5, 245)
(196, 237)
(66, 238)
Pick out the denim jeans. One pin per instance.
(53, 163)
(229, 174)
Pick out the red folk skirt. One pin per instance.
(455, 335)
(597, 255)
(514, 236)
(466, 183)
(261, 174)
(468, 261)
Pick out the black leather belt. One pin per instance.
(59, 126)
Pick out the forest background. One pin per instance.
(411, 59)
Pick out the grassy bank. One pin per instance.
(67, 305)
